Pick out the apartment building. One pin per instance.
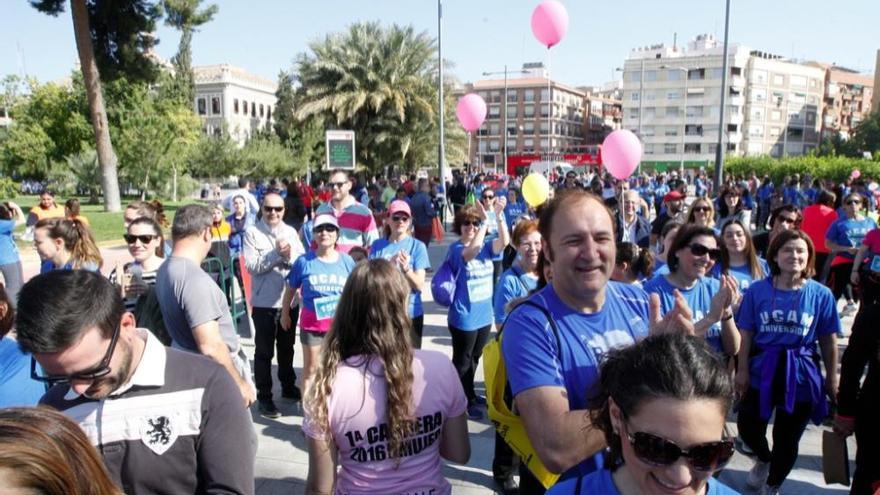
(539, 120)
(230, 98)
(847, 99)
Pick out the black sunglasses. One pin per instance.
(467, 223)
(276, 209)
(701, 208)
(399, 218)
(336, 184)
(658, 451)
(103, 369)
(489, 196)
(325, 228)
(701, 250)
(145, 239)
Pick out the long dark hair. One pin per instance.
(676, 366)
(751, 253)
(683, 237)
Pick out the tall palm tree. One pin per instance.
(376, 81)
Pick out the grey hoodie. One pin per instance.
(267, 267)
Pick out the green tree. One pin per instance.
(186, 16)
(305, 138)
(866, 136)
(373, 80)
(115, 35)
(263, 155)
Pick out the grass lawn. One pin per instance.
(105, 226)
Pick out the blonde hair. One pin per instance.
(710, 216)
(372, 322)
(78, 240)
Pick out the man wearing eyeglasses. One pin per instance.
(193, 306)
(164, 421)
(270, 247)
(357, 227)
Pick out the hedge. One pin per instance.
(836, 168)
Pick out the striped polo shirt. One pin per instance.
(178, 426)
(357, 227)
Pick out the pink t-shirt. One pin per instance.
(357, 421)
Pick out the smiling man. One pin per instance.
(554, 342)
(357, 227)
(164, 421)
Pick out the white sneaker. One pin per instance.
(848, 310)
(758, 475)
(769, 490)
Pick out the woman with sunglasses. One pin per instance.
(145, 245)
(408, 254)
(470, 315)
(692, 254)
(782, 318)
(702, 214)
(738, 257)
(321, 276)
(731, 207)
(843, 240)
(662, 406)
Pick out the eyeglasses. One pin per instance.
(334, 185)
(701, 209)
(103, 368)
(399, 218)
(324, 228)
(658, 451)
(701, 250)
(489, 196)
(276, 209)
(468, 223)
(145, 239)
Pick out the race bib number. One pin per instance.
(325, 307)
(479, 289)
(875, 264)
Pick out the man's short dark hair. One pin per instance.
(242, 182)
(190, 220)
(55, 309)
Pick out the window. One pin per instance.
(512, 96)
(511, 130)
(672, 111)
(757, 113)
(696, 74)
(494, 145)
(268, 112)
(649, 148)
(756, 131)
(202, 106)
(545, 143)
(529, 143)
(736, 71)
(811, 118)
(511, 111)
(215, 105)
(650, 75)
(670, 148)
(545, 127)
(244, 108)
(494, 129)
(529, 95)
(673, 75)
(529, 128)
(797, 98)
(511, 143)
(777, 98)
(694, 111)
(671, 131)
(648, 131)
(799, 81)
(495, 96)
(794, 133)
(635, 76)
(235, 106)
(693, 130)
(261, 110)
(759, 95)
(544, 95)
(634, 96)
(253, 109)
(545, 110)
(494, 111)
(529, 111)
(650, 95)
(673, 95)
(759, 76)
(715, 73)
(692, 147)
(649, 112)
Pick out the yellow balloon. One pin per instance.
(535, 189)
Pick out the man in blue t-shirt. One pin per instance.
(552, 367)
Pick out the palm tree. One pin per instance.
(376, 81)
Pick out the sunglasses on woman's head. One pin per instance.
(701, 250)
(145, 239)
(658, 451)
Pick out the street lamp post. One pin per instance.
(719, 152)
(441, 158)
(683, 117)
(504, 120)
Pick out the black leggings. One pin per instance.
(467, 347)
(787, 431)
(840, 278)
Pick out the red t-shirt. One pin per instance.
(817, 219)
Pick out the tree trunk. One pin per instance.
(174, 184)
(97, 113)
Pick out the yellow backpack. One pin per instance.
(507, 423)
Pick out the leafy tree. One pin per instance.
(186, 16)
(78, 171)
(115, 35)
(866, 135)
(305, 138)
(373, 80)
(213, 156)
(263, 155)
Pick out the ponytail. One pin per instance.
(644, 264)
(84, 250)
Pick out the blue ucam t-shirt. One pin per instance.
(513, 211)
(8, 249)
(533, 359)
(850, 232)
(321, 283)
(513, 284)
(418, 260)
(472, 305)
(742, 273)
(789, 319)
(699, 300)
(601, 482)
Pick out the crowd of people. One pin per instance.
(638, 321)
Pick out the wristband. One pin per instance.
(728, 317)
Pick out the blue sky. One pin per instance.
(263, 36)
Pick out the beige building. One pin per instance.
(230, 98)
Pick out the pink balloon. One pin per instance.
(855, 174)
(471, 111)
(549, 22)
(621, 153)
